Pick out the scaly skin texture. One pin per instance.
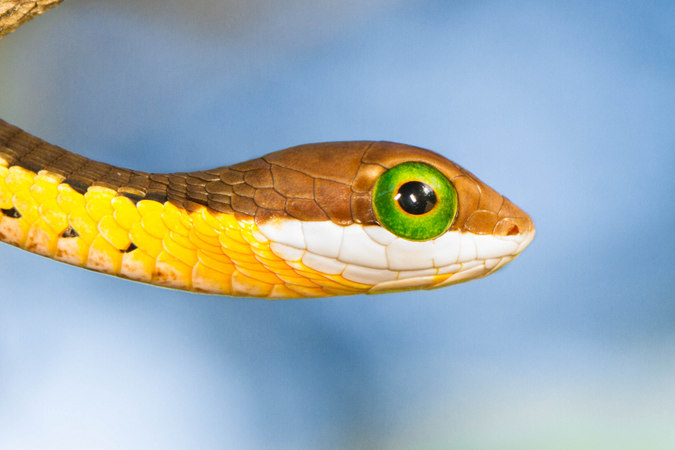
(226, 230)
(314, 182)
(150, 241)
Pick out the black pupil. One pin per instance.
(416, 197)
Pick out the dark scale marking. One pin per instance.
(70, 233)
(130, 248)
(12, 212)
(156, 196)
(77, 185)
(28, 165)
(133, 197)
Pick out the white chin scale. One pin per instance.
(374, 256)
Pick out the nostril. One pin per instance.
(513, 231)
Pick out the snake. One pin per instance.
(315, 220)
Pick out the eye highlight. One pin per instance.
(415, 201)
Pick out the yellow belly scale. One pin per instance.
(152, 242)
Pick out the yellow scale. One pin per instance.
(202, 251)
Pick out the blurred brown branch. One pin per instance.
(14, 13)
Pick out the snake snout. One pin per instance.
(513, 221)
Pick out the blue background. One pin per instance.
(568, 108)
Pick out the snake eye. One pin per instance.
(415, 201)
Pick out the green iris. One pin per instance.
(415, 201)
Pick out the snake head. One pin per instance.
(389, 216)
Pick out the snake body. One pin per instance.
(300, 222)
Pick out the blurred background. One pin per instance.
(567, 108)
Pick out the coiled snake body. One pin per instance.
(314, 220)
